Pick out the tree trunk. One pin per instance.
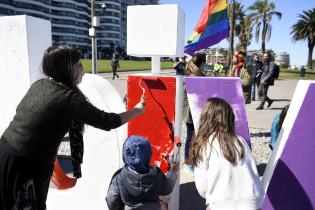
(263, 36)
(231, 34)
(311, 45)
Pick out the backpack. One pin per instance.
(275, 74)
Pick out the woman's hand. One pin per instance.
(140, 107)
(136, 111)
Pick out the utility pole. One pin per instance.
(93, 38)
(95, 22)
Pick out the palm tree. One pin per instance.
(236, 13)
(245, 35)
(262, 13)
(239, 18)
(304, 30)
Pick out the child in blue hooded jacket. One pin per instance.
(138, 185)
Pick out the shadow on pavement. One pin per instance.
(189, 198)
(261, 168)
(260, 134)
(281, 99)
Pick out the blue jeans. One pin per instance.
(189, 134)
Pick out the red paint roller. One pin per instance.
(154, 79)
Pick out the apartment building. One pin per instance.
(70, 20)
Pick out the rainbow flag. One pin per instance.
(212, 27)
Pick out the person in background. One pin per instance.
(115, 65)
(218, 67)
(138, 185)
(255, 74)
(276, 126)
(268, 70)
(51, 107)
(194, 67)
(239, 70)
(225, 170)
(179, 66)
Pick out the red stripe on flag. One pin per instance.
(202, 23)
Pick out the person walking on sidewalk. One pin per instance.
(115, 65)
(268, 70)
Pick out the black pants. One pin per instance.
(24, 182)
(114, 68)
(264, 90)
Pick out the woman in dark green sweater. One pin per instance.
(51, 107)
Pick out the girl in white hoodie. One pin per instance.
(225, 170)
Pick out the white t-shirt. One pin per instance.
(225, 186)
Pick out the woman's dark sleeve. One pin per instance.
(84, 111)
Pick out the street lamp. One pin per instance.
(95, 22)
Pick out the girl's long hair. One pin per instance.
(283, 115)
(217, 120)
(58, 64)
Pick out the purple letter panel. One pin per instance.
(199, 89)
(292, 186)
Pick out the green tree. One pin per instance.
(304, 30)
(245, 34)
(236, 13)
(262, 12)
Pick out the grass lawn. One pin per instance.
(295, 74)
(103, 66)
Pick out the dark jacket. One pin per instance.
(131, 190)
(256, 71)
(115, 62)
(180, 68)
(269, 69)
(44, 115)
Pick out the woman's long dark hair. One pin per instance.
(58, 64)
(217, 119)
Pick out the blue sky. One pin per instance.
(280, 38)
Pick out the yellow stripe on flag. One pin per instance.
(221, 5)
(193, 36)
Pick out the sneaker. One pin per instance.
(269, 103)
(259, 108)
(189, 169)
(259, 99)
